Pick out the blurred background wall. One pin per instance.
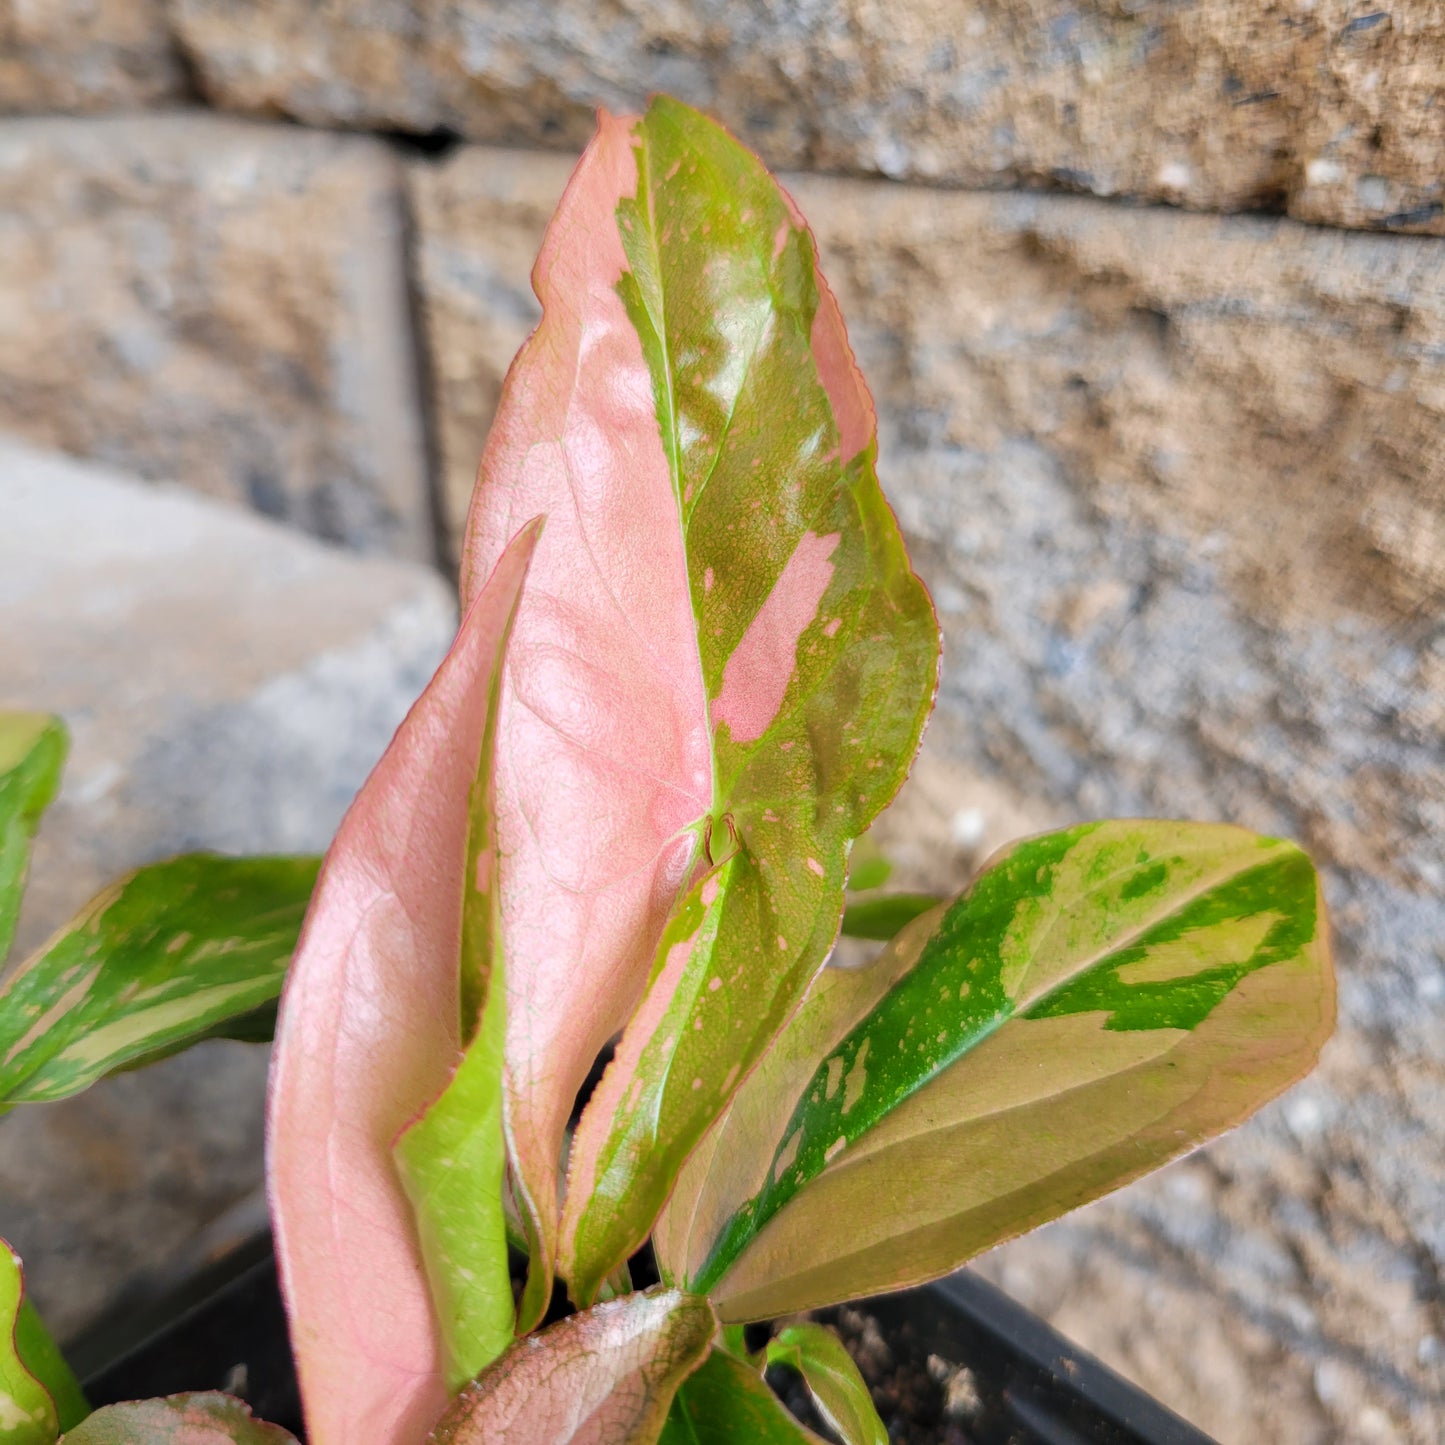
(1152, 297)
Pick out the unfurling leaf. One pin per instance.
(724, 659)
(602, 1376)
(1100, 1001)
(192, 948)
(453, 1159)
(32, 755)
(725, 1402)
(838, 1390)
(200, 1419)
(28, 1413)
(370, 1035)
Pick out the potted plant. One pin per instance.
(693, 666)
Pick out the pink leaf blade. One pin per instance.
(605, 765)
(603, 1377)
(369, 1033)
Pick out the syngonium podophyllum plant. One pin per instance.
(693, 666)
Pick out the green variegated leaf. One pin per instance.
(27, 1410)
(605, 1374)
(1099, 1001)
(453, 1159)
(42, 1357)
(32, 754)
(178, 951)
(725, 1401)
(838, 1390)
(807, 650)
(200, 1419)
(882, 916)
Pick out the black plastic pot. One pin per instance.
(225, 1329)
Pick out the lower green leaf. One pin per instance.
(178, 951)
(726, 1401)
(838, 1390)
(605, 1374)
(27, 1412)
(42, 1357)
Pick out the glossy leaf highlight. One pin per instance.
(199, 1419)
(32, 756)
(27, 1411)
(370, 1034)
(605, 1376)
(726, 1401)
(838, 1390)
(1101, 1000)
(817, 645)
(195, 947)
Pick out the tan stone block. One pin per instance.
(83, 55)
(1327, 108)
(222, 302)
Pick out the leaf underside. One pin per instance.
(605, 1375)
(192, 948)
(197, 1419)
(1100, 1000)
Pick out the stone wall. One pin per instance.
(1172, 471)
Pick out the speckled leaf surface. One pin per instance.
(200, 1419)
(32, 755)
(724, 656)
(370, 1033)
(1101, 1000)
(605, 1376)
(191, 948)
(452, 1160)
(27, 1411)
(838, 1390)
(726, 1401)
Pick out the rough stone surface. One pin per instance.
(1176, 485)
(228, 684)
(184, 296)
(80, 55)
(1326, 107)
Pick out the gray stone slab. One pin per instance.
(228, 684)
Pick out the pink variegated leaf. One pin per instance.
(722, 658)
(370, 1032)
(605, 1376)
